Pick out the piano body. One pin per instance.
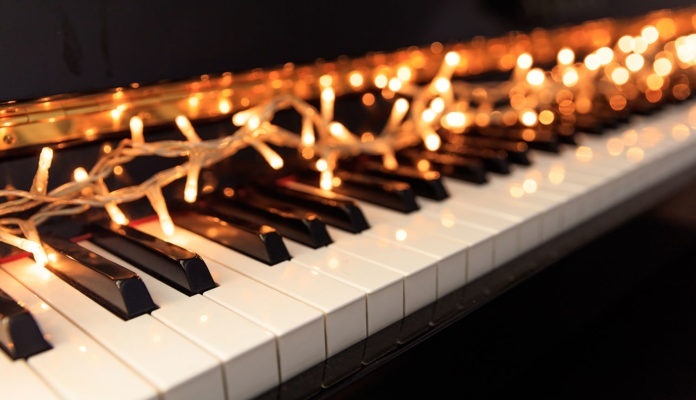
(306, 262)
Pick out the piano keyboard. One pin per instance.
(260, 326)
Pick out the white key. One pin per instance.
(85, 356)
(298, 328)
(247, 352)
(418, 270)
(383, 288)
(458, 248)
(175, 366)
(344, 307)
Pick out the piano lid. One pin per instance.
(52, 48)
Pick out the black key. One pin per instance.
(540, 138)
(20, 336)
(450, 165)
(171, 264)
(387, 193)
(341, 213)
(517, 150)
(258, 241)
(423, 183)
(305, 228)
(116, 288)
(494, 160)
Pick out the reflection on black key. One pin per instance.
(173, 265)
(304, 228)
(494, 160)
(423, 183)
(20, 336)
(539, 138)
(516, 150)
(258, 241)
(116, 288)
(387, 193)
(341, 213)
(450, 165)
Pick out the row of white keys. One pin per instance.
(343, 306)
(73, 357)
(457, 246)
(383, 287)
(246, 351)
(177, 368)
(297, 327)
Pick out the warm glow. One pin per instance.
(626, 43)
(592, 62)
(528, 118)
(634, 62)
(524, 61)
(326, 180)
(80, 174)
(224, 106)
(428, 115)
(404, 73)
(395, 84)
(584, 153)
(432, 141)
(187, 129)
(455, 119)
(529, 186)
(654, 82)
(136, 128)
(307, 135)
(650, 34)
(605, 55)
(546, 117)
(535, 77)
(680, 132)
(516, 191)
(116, 214)
(437, 105)
(570, 77)
(325, 81)
(356, 79)
(381, 81)
(620, 75)
(556, 174)
(566, 56)
(662, 66)
(615, 146)
(321, 165)
(617, 102)
(442, 85)
(389, 161)
(368, 99)
(400, 235)
(452, 58)
(635, 154)
(423, 165)
(328, 96)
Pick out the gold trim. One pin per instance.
(61, 119)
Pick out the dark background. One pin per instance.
(51, 47)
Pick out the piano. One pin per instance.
(194, 231)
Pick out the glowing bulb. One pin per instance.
(80, 174)
(325, 81)
(524, 61)
(389, 161)
(592, 62)
(339, 131)
(326, 180)
(327, 103)
(224, 106)
(437, 105)
(634, 62)
(307, 135)
(529, 185)
(356, 79)
(321, 165)
(452, 58)
(136, 128)
(395, 84)
(404, 73)
(650, 34)
(570, 77)
(381, 81)
(271, 157)
(154, 195)
(535, 77)
(546, 117)
(442, 85)
(428, 115)
(115, 213)
(41, 177)
(626, 44)
(662, 66)
(605, 55)
(455, 120)
(187, 129)
(432, 141)
(528, 118)
(565, 56)
(620, 75)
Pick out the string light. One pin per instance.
(442, 103)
